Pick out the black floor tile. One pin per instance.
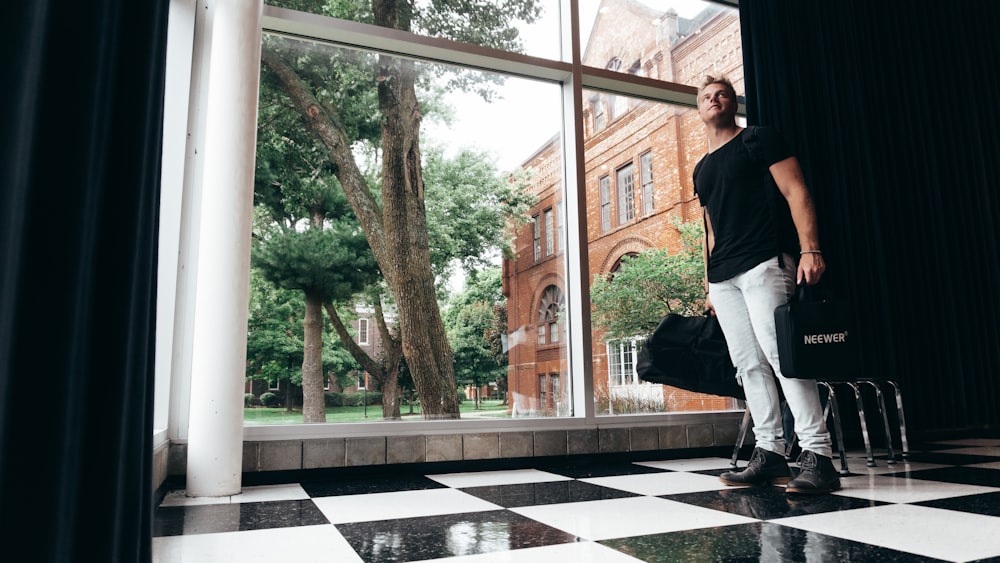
(948, 458)
(584, 470)
(769, 502)
(962, 475)
(988, 503)
(431, 537)
(600, 470)
(760, 541)
(363, 486)
(557, 492)
(214, 518)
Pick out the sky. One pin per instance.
(528, 114)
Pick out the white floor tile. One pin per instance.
(858, 466)
(634, 516)
(272, 492)
(894, 489)
(930, 532)
(403, 504)
(699, 464)
(487, 478)
(577, 552)
(260, 493)
(306, 544)
(654, 484)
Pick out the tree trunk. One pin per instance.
(390, 400)
(425, 344)
(313, 405)
(397, 233)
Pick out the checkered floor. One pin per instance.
(940, 504)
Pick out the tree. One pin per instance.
(335, 101)
(274, 337)
(305, 235)
(384, 369)
(470, 321)
(650, 285)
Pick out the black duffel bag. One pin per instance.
(689, 353)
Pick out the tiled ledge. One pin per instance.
(319, 453)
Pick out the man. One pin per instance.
(751, 239)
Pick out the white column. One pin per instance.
(215, 434)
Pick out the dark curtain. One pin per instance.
(893, 111)
(81, 112)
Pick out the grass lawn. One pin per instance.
(265, 415)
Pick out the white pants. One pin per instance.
(745, 306)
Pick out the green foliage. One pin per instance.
(335, 261)
(360, 399)
(307, 238)
(468, 206)
(650, 285)
(468, 319)
(270, 399)
(274, 331)
(337, 361)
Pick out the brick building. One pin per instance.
(639, 157)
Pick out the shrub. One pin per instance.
(248, 399)
(333, 399)
(462, 397)
(357, 399)
(269, 399)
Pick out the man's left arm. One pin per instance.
(788, 176)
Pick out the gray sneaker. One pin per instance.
(764, 467)
(817, 476)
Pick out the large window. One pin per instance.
(363, 332)
(605, 183)
(550, 236)
(501, 186)
(625, 188)
(646, 168)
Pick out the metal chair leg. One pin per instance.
(885, 419)
(741, 437)
(834, 410)
(870, 455)
(902, 419)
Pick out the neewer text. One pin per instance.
(825, 338)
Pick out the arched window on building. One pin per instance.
(550, 309)
(617, 105)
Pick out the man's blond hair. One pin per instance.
(725, 82)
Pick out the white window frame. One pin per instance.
(625, 193)
(605, 189)
(363, 326)
(646, 182)
(573, 77)
(550, 241)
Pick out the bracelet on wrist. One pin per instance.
(820, 252)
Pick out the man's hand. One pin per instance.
(811, 268)
(709, 309)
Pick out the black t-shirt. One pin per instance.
(739, 193)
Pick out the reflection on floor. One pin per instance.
(940, 504)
